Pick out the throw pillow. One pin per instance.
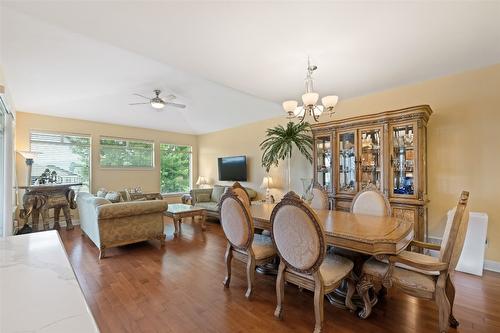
(217, 193)
(101, 193)
(113, 197)
(203, 197)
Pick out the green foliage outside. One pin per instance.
(115, 153)
(175, 168)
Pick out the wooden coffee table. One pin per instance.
(178, 211)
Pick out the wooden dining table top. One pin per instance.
(373, 235)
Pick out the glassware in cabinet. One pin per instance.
(323, 161)
(370, 158)
(403, 159)
(347, 162)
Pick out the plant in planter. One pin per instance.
(279, 143)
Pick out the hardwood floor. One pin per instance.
(141, 288)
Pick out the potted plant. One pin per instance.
(279, 143)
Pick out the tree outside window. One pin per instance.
(175, 170)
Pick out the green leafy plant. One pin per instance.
(279, 143)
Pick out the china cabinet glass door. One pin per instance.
(403, 159)
(347, 162)
(323, 163)
(370, 158)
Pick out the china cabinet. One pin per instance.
(386, 151)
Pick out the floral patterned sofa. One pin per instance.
(113, 224)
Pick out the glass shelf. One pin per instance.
(403, 160)
(323, 161)
(347, 162)
(370, 157)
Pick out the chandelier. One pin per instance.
(310, 100)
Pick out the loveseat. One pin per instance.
(208, 198)
(113, 224)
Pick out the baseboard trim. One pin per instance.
(491, 265)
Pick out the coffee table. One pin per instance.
(178, 211)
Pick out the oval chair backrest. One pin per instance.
(320, 197)
(297, 234)
(241, 193)
(236, 220)
(371, 202)
(454, 233)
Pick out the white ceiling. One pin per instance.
(230, 62)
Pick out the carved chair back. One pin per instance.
(454, 233)
(236, 220)
(297, 234)
(371, 201)
(241, 193)
(320, 197)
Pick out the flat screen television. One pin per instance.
(233, 168)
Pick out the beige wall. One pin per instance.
(463, 149)
(112, 179)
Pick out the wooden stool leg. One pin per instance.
(57, 211)
(67, 216)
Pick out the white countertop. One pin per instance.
(38, 288)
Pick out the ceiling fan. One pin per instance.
(159, 103)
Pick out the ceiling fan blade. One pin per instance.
(137, 103)
(149, 98)
(169, 97)
(177, 105)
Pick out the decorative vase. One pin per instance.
(307, 184)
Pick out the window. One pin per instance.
(66, 154)
(125, 153)
(175, 171)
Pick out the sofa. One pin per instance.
(113, 224)
(208, 198)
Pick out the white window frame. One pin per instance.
(190, 168)
(86, 135)
(105, 137)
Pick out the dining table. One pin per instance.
(366, 235)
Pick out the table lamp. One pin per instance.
(267, 183)
(29, 157)
(201, 182)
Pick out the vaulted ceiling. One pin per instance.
(230, 62)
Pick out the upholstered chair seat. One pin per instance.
(262, 247)
(422, 275)
(242, 243)
(300, 242)
(406, 278)
(333, 269)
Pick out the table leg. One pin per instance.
(176, 225)
(203, 220)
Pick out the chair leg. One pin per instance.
(102, 252)
(363, 288)
(250, 273)
(280, 291)
(450, 294)
(319, 296)
(228, 258)
(444, 308)
(351, 288)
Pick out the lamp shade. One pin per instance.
(329, 101)
(201, 181)
(289, 106)
(267, 182)
(310, 98)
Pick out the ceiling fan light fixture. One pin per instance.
(158, 104)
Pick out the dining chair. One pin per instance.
(320, 197)
(242, 243)
(241, 193)
(422, 275)
(371, 201)
(300, 242)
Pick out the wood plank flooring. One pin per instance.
(140, 288)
